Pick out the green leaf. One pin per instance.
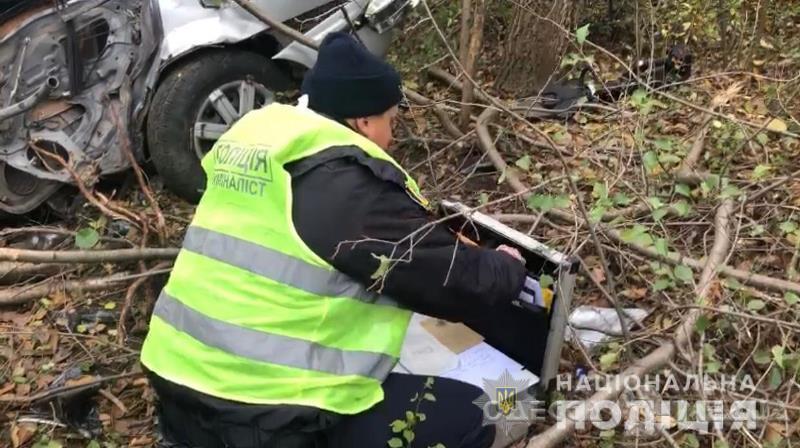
(760, 171)
(546, 281)
(383, 267)
(690, 441)
(562, 201)
(441, 445)
(608, 360)
(684, 190)
(483, 199)
(650, 160)
(502, 177)
(662, 284)
(596, 213)
(662, 247)
(788, 226)
(421, 417)
(398, 425)
(408, 435)
(730, 191)
(762, 357)
(429, 382)
(775, 378)
(663, 144)
(762, 138)
(655, 202)
(637, 235)
(721, 444)
(582, 33)
(599, 190)
(713, 366)
(429, 396)
(777, 355)
(702, 323)
(683, 273)
(110, 305)
(541, 202)
(93, 444)
(395, 442)
(607, 434)
(410, 417)
(755, 305)
(523, 163)
(791, 298)
(660, 213)
(621, 199)
(682, 208)
(86, 238)
(757, 230)
(81, 328)
(732, 283)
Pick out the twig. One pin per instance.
(662, 355)
(444, 119)
(13, 272)
(123, 315)
(18, 296)
(87, 256)
(487, 143)
(137, 170)
(79, 183)
(469, 62)
(55, 392)
(248, 6)
(117, 402)
(746, 277)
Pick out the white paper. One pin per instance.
(593, 325)
(423, 354)
(484, 362)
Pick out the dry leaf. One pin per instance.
(635, 293)
(598, 274)
(774, 432)
(22, 433)
(141, 441)
(7, 388)
(777, 125)
(23, 389)
(725, 96)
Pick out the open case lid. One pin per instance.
(534, 339)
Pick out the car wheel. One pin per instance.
(196, 103)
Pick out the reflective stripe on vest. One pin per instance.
(277, 266)
(267, 347)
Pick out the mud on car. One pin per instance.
(88, 86)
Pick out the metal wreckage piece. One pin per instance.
(73, 78)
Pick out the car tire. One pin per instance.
(178, 100)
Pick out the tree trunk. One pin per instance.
(533, 46)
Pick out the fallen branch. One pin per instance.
(24, 294)
(11, 272)
(470, 58)
(87, 256)
(79, 183)
(123, 315)
(441, 114)
(55, 392)
(745, 277)
(661, 356)
(687, 173)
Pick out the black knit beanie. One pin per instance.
(348, 81)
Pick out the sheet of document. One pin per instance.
(423, 354)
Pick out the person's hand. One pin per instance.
(511, 251)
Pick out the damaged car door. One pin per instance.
(70, 81)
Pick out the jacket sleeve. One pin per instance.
(433, 274)
(340, 201)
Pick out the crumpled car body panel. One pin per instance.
(89, 54)
(75, 79)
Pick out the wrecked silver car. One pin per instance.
(88, 86)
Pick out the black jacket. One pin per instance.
(342, 195)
